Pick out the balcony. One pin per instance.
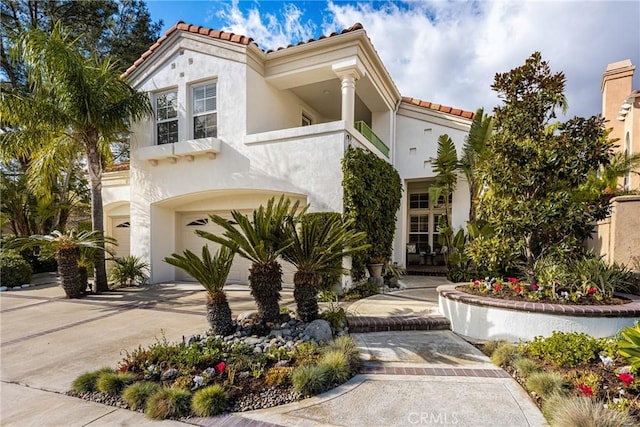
(366, 131)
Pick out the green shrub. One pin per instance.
(327, 296)
(335, 315)
(306, 353)
(606, 278)
(276, 377)
(490, 346)
(582, 411)
(337, 364)
(311, 379)
(87, 381)
(14, 270)
(169, 402)
(568, 349)
(137, 394)
(114, 383)
(493, 254)
(546, 384)
(526, 367)
(209, 401)
(362, 290)
(505, 354)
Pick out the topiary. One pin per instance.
(14, 270)
(311, 379)
(137, 394)
(209, 401)
(113, 383)
(87, 381)
(168, 402)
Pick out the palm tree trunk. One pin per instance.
(94, 166)
(219, 313)
(306, 294)
(265, 281)
(67, 259)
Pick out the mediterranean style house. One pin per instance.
(235, 125)
(617, 238)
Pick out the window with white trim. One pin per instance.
(204, 110)
(167, 117)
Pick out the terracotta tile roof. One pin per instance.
(118, 167)
(438, 107)
(220, 35)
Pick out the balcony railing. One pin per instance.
(366, 131)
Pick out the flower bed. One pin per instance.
(483, 318)
(571, 375)
(203, 376)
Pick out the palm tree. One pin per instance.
(75, 104)
(473, 151)
(67, 248)
(317, 248)
(261, 241)
(212, 274)
(445, 166)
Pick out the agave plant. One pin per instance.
(261, 241)
(211, 273)
(317, 248)
(66, 247)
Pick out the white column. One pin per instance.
(349, 71)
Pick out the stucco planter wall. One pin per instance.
(482, 318)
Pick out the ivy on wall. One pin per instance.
(372, 194)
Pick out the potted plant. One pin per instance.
(375, 265)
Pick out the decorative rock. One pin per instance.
(191, 340)
(257, 350)
(3, 288)
(247, 315)
(252, 341)
(319, 330)
(169, 374)
(26, 285)
(286, 332)
(210, 372)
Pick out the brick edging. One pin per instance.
(631, 309)
(361, 324)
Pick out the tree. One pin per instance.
(534, 168)
(67, 251)
(445, 166)
(260, 240)
(212, 274)
(318, 246)
(74, 102)
(473, 152)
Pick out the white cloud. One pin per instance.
(449, 52)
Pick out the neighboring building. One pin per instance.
(236, 126)
(618, 238)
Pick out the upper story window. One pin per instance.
(167, 117)
(205, 116)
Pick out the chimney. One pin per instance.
(616, 87)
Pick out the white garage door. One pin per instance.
(189, 222)
(120, 230)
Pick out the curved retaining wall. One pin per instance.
(480, 318)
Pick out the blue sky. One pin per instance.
(446, 51)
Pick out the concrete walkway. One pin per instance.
(410, 378)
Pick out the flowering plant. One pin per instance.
(377, 259)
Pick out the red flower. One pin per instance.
(476, 283)
(591, 290)
(586, 390)
(534, 287)
(518, 289)
(626, 378)
(220, 367)
(497, 287)
(512, 280)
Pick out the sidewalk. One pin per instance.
(410, 378)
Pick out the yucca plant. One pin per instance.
(67, 251)
(211, 273)
(317, 248)
(261, 241)
(629, 345)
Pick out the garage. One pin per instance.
(189, 222)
